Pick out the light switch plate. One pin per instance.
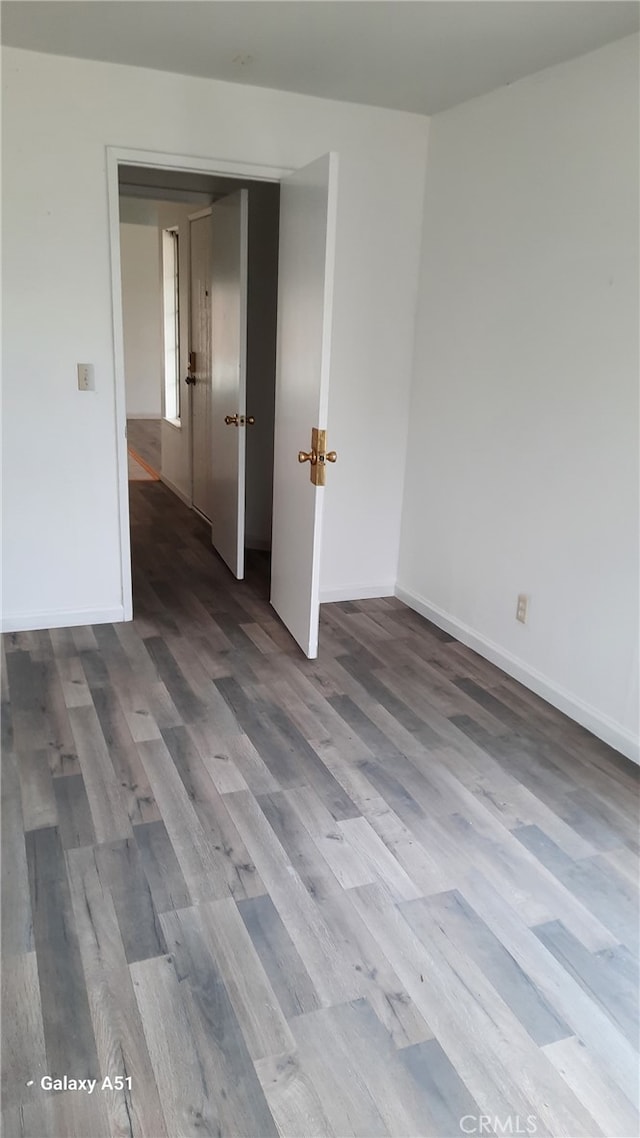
(522, 610)
(86, 377)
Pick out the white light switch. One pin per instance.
(86, 377)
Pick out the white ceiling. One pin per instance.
(413, 56)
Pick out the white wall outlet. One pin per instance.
(522, 609)
(86, 377)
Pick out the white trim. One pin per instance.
(123, 156)
(33, 621)
(583, 713)
(175, 490)
(242, 378)
(199, 213)
(190, 164)
(356, 593)
(120, 395)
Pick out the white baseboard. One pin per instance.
(583, 713)
(33, 621)
(356, 593)
(144, 415)
(176, 490)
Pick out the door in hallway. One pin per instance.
(200, 371)
(229, 283)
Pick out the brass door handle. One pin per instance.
(318, 456)
(239, 420)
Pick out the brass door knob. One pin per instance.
(239, 420)
(317, 457)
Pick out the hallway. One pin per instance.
(377, 893)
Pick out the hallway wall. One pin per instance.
(141, 311)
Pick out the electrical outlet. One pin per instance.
(522, 609)
(86, 377)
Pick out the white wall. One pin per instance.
(142, 318)
(59, 451)
(522, 467)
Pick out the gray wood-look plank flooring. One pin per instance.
(144, 436)
(388, 892)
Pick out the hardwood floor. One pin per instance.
(385, 892)
(144, 436)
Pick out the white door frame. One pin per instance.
(122, 156)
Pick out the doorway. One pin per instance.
(211, 364)
(152, 211)
(306, 250)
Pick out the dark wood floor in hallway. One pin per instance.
(384, 893)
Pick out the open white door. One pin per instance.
(200, 358)
(308, 203)
(229, 251)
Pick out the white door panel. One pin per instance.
(308, 203)
(200, 344)
(229, 268)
